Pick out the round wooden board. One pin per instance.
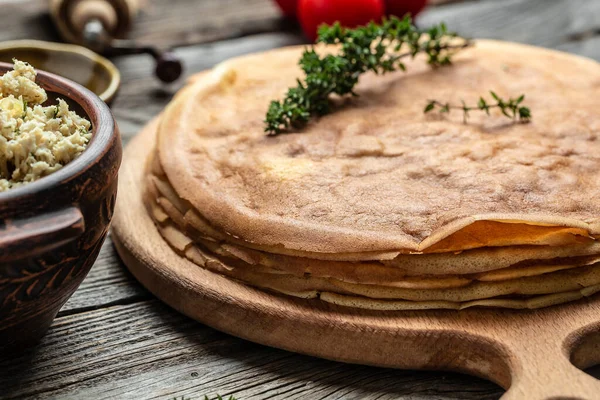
(531, 353)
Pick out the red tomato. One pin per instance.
(288, 7)
(350, 13)
(400, 8)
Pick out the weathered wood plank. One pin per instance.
(108, 283)
(142, 97)
(160, 23)
(186, 22)
(26, 19)
(540, 22)
(148, 351)
(589, 47)
(440, 2)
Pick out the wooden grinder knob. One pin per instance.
(71, 16)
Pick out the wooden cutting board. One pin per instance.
(534, 354)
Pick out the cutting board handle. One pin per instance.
(542, 369)
(552, 379)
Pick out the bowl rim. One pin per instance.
(103, 135)
(107, 95)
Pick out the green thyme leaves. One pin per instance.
(379, 48)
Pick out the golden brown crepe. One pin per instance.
(378, 174)
(537, 283)
(478, 260)
(533, 292)
(488, 263)
(378, 205)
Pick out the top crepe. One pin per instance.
(377, 174)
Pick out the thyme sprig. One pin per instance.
(379, 48)
(511, 108)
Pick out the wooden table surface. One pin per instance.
(114, 340)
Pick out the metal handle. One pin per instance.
(36, 235)
(168, 66)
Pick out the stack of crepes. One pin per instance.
(381, 206)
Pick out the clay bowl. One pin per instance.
(51, 230)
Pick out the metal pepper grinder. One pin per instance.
(102, 26)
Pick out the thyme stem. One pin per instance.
(510, 108)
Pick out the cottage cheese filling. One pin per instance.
(35, 140)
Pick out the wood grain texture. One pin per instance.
(148, 351)
(186, 22)
(527, 352)
(107, 284)
(547, 23)
(588, 47)
(26, 19)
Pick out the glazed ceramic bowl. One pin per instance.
(51, 230)
(68, 60)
